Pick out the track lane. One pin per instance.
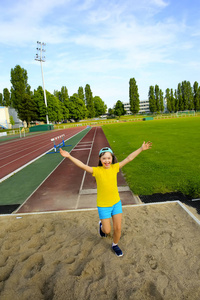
(39, 144)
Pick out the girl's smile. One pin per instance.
(106, 160)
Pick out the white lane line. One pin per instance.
(30, 162)
(80, 149)
(24, 149)
(77, 203)
(83, 145)
(28, 154)
(86, 142)
(20, 145)
(30, 142)
(19, 169)
(23, 156)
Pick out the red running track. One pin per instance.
(17, 153)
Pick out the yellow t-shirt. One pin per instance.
(106, 179)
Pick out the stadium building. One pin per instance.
(5, 114)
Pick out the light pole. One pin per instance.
(41, 58)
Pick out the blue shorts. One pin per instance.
(108, 212)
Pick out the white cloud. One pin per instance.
(23, 22)
(142, 43)
(104, 43)
(159, 3)
(85, 5)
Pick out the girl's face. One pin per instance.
(106, 160)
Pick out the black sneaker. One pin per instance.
(101, 233)
(117, 250)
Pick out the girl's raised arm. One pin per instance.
(145, 146)
(76, 161)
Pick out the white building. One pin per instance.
(5, 114)
(127, 108)
(144, 107)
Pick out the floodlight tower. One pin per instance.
(39, 57)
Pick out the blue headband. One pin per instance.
(106, 149)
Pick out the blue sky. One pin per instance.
(103, 43)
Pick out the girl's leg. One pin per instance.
(106, 227)
(117, 221)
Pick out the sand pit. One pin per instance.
(60, 256)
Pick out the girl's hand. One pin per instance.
(64, 153)
(146, 146)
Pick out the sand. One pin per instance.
(60, 256)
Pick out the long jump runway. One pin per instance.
(69, 187)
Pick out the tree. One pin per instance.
(196, 96)
(64, 111)
(100, 106)
(62, 95)
(152, 102)
(19, 81)
(176, 101)
(6, 97)
(12, 121)
(161, 104)
(119, 109)
(27, 109)
(89, 101)
(53, 108)
(81, 93)
(1, 99)
(168, 99)
(187, 95)
(157, 96)
(41, 109)
(111, 111)
(172, 99)
(78, 109)
(134, 96)
(180, 97)
(64, 102)
(21, 96)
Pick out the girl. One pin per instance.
(108, 200)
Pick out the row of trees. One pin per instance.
(156, 103)
(31, 106)
(60, 106)
(185, 97)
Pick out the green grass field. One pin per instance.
(173, 163)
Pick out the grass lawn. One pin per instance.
(173, 163)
